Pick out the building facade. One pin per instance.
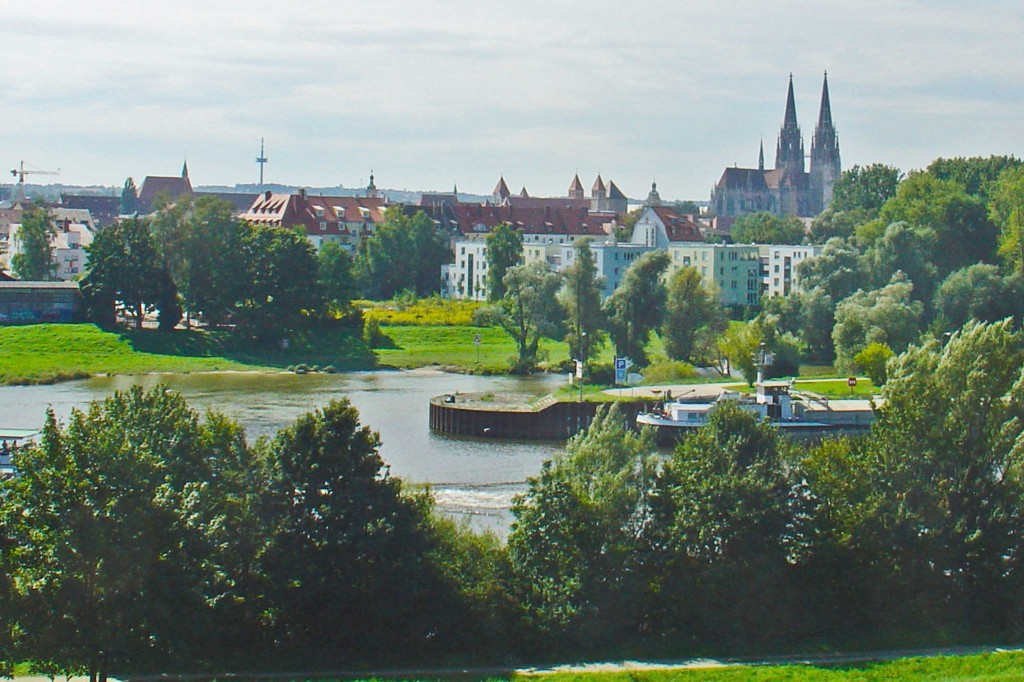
(733, 269)
(789, 188)
(781, 275)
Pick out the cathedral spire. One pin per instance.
(790, 119)
(825, 115)
(760, 156)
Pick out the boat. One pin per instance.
(12, 440)
(804, 416)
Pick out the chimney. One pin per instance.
(267, 195)
(302, 193)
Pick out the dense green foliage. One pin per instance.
(530, 310)
(765, 228)
(34, 259)
(404, 253)
(637, 307)
(581, 302)
(504, 251)
(694, 318)
(129, 197)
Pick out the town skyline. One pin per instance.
(432, 94)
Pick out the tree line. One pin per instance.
(140, 536)
(194, 260)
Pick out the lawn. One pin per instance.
(453, 346)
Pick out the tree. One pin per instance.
(1006, 209)
(963, 233)
(504, 251)
(865, 189)
(637, 307)
(281, 278)
(573, 543)
(980, 293)
(694, 318)
(123, 268)
(832, 223)
(765, 228)
(903, 249)
(975, 174)
(347, 554)
(725, 527)
(872, 360)
(837, 270)
(941, 519)
(108, 536)
(530, 309)
(334, 276)
(888, 315)
(33, 259)
(129, 198)
(581, 302)
(404, 253)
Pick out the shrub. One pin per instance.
(669, 372)
(873, 361)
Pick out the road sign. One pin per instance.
(620, 370)
(579, 369)
(476, 340)
(851, 382)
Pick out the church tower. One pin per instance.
(825, 163)
(789, 155)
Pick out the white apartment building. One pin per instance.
(734, 269)
(611, 260)
(780, 267)
(467, 276)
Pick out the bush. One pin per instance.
(371, 331)
(873, 361)
(669, 372)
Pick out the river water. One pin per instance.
(471, 478)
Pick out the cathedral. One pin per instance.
(786, 189)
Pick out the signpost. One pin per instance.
(851, 382)
(620, 370)
(476, 342)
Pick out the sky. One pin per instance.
(436, 92)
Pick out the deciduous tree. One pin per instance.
(33, 260)
(530, 309)
(637, 307)
(581, 302)
(694, 318)
(504, 251)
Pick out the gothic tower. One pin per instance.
(825, 163)
(789, 155)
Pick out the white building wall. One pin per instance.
(466, 278)
(780, 276)
(734, 269)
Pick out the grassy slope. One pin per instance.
(453, 347)
(997, 666)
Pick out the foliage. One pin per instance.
(694, 318)
(903, 249)
(978, 292)
(34, 259)
(669, 372)
(888, 315)
(975, 174)
(834, 223)
(963, 233)
(404, 253)
(335, 281)
(872, 360)
(572, 546)
(865, 189)
(766, 228)
(129, 197)
(836, 270)
(1006, 209)
(124, 269)
(281, 277)
(580, 298)
(724, 528)
(432, 311)
(504, 250)
(636, 307)
(530, 309)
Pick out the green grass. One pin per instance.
(838, 388)
(453, 347)
(995, 666)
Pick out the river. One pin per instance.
(471, 478)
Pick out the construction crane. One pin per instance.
(20, 172)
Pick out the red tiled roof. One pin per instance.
(548, 202)
(474, 219)
(319, 215)
(680, 228)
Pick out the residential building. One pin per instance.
(344, 220)
(734, 269)
(466, 277)
(786, 189)
(73, 231)
(660, 227)
(781, 275)
(610, 258)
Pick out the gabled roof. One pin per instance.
(576, 185)
(474, 219)
(523, 194)
(501, 189)
(743, 178)
(319, 215)
(104, 209)
(614, 192)
(598, 184)
(679, 228)
(153, 185)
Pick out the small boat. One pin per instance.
(797, 415)
(12, 440)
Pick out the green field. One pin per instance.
(454, 347)
(995, 666)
